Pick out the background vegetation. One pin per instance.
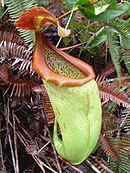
(26, 116)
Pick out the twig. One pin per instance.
(1, 153)
(67, 13)
(43, 147)
(6, 110)
(15, 144)
(24, 141)
(55, 154)
(71, 166)
(104, 166)
(72, 47)
(39, 163)
(92, 166)
(12, 152)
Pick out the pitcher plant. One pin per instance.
(71, 87)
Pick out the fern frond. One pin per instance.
(13, 48)
(125, 120)
(21, 59)
(116, 144)
(109, 120)
(45, 2)
(122, 28)
(122, 145)
(112, 91)
(42, 102)
(107, 144)
(19, 87)
(28, 36)
(9, 36)
(15, 8)
(126, 58)
(109, 69)
(113, 43)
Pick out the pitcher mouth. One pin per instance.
(51, 63)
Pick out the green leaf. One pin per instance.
(113, 43)
(126, 58)
(111, 12)
(98, 38)
(82, 2)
